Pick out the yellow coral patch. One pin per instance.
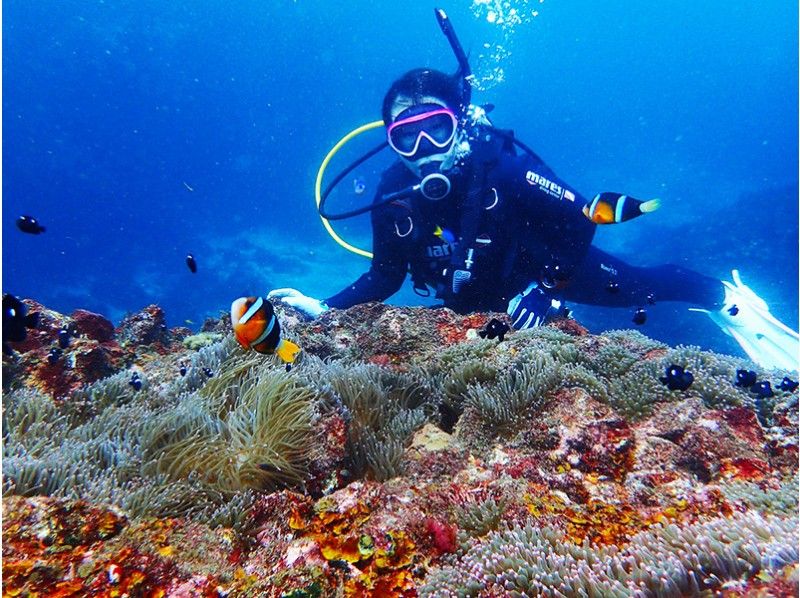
(296, 520)
(366, 546)
(603, 523)
(545, 505)
(340, 549)
(399, 553)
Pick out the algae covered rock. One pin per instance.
(201, 339)
(401, 455)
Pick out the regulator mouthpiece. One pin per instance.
(435, 186)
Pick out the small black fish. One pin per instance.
(733, 310)
(651, 298)
(54, 355)
(182, 369)
(29, 224)
(288, 367)
(745, 378)
(16, 321)
(612, 287)
(762, 389)
(677, 378)
(494, 329)
(135, 381)
(208, 372)
(64, 336)
(787, 385)
(639, 316)
(192, 263)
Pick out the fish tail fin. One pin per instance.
(287, 351)
(650, 206)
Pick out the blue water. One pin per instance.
(139, 132)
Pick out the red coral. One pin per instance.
(382, 359)
(53, 379)
(525, 467)
(569, 326)
(657, 353)
(93, 325)
(605, 447)
(454, 330)
(83, 362)
(744, 423)
(745, 468)
(443, 535)
(98, 361)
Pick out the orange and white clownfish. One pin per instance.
(613, 208)
(256, 327)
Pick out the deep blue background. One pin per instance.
(110, 109)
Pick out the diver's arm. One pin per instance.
(388, 269)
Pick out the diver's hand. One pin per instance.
(308, 305)
(532, 307)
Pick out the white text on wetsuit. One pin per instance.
(548, 186)
(438, 250)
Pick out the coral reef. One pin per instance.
(402, 455)
(146, 327)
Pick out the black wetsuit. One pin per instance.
(534, 226)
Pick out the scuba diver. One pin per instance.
(490, 228)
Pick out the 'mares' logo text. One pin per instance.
(438, 250)
(549, 186)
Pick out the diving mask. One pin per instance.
(438, 127)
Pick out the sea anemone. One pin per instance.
(666, 560)
(262, 442)
(499, 406)
(383, 409)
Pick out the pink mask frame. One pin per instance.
(422, 133)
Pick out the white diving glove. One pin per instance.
(745, 316)
(533, 307)
(308, 305)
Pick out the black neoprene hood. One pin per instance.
(419, 83)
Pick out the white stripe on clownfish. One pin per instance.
(593, 206)
(620, 206)
(266, 332)
(252, 311)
